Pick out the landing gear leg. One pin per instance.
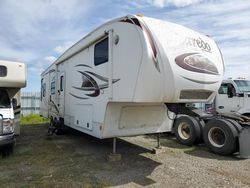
(114, 156)
(114, 145)
(158, 148)
(158, 141)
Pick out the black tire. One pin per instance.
(52, 124)
(11, 148)
(51, 121)
(202, 125)
(246, 114)
(187, 130)
(59, 128)
(7, 150)
(236, 125)
(221, 136)
(239, 128)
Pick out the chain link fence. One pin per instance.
(30, 103)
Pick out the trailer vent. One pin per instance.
(3, 71)
(195, 94)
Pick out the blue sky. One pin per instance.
(38, 32)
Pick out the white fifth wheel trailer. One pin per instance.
(132, 76)
(12, 79)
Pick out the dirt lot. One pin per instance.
(78, 160)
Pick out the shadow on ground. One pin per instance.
(73, 159)
(6, 151)
(199, 150)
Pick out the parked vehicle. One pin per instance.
(134, 75)
(12, 79)
(234, 96)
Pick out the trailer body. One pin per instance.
(136, 75)
(116, 80)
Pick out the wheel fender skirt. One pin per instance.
(244, 142)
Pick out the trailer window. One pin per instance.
(44, 89)
(41, 91)
(4, 99)
(53, 87)
(101, 53)
(3, 71)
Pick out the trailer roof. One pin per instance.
(79, 46)
(13, 74)
(6, 62)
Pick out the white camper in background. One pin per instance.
(12, 79)
(116, 80)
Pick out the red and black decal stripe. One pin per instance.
(196, 64)
(89, 83)
(150, 37)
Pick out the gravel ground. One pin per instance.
(79, 160)
(181, 166)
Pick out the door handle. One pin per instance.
(220, 107)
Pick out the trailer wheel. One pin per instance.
(202, 125)
(51, 121)
(220, 136)
(59, 127)
(187, 130)
(52, 125)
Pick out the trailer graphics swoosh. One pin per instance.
(149, 35)
(195, 62)
(89, 83)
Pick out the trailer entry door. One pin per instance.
(61, 94)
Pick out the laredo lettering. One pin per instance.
(203, 45)
(198, 43)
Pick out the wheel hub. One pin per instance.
(217, 137)
(184, 131)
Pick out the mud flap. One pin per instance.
(244, 142)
